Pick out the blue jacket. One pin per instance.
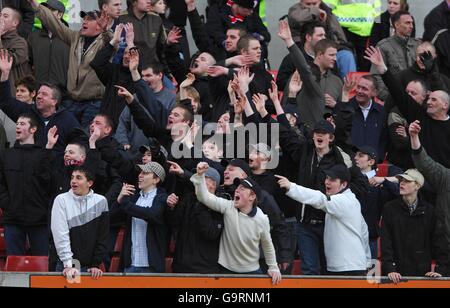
(372, 131)
(157, 229)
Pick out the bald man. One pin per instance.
(15, 44)
(434, 118)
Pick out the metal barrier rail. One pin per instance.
(122, 280)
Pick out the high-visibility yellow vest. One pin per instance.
(262, 12)
(37, 21)
(357, 16)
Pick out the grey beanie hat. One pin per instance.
(214, 175)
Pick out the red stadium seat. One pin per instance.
(169, 265)
(115, 264)
(26, 264)
(102, 267)
(383, 169)
(2, 243)
(115, 260)
(119, 241)
(296, 268)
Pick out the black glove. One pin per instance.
(427, 60)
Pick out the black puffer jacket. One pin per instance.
(25, 185)
(408, 241)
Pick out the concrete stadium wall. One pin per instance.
(278, 8)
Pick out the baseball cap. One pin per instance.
(154, 167)
(323, 126)
(412, 175)
(291, 109)
(366, 149)
(91, 14)
(241, 164)
(55, 5)
(250, 184)
(339, 172)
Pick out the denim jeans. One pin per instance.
(345, 62)
(311, 249)
(373, 244)
(16, 236)
(84, 111)
(139, 270)
(291, 226)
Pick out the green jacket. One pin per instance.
(439, 178)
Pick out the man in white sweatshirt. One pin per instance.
(80, 226)
(245, 227)
(346, 237)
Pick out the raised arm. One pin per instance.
(410, 109)
(199, 33)
(140, 114)
(299, 60)
(331, 205)
(204, 196)
(214, 26)
(53, 24)
(145, 95)
(8, 104)
(435, 174)
(101, 64)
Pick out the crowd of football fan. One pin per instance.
(347, 163)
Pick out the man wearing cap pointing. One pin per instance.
(346, 238)
(146, 234)
(246, 227)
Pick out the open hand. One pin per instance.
(52, 137)
(174, 36)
